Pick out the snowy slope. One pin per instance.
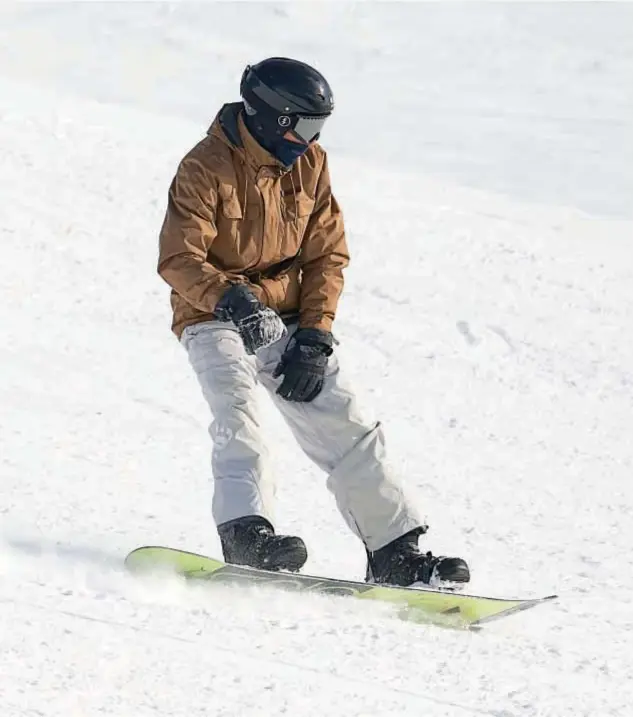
(486, 319)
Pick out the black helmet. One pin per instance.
(287, 95)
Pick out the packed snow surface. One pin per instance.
(483, 156)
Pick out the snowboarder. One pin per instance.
(253, 247)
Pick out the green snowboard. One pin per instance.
(426, 605)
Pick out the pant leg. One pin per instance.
(350, 449)
(227, 375)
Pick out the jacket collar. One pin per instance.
(229, 126)
(257, 156)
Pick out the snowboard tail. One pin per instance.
(416, 604)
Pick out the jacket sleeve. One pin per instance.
(324, 255)
(187, 234)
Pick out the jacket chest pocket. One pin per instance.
(230, 207)
(239, 231)
(296, 211)
(295, 207)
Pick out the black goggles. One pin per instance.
(306, 128)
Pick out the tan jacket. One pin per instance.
(236, 215)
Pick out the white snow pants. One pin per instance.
(330, 430)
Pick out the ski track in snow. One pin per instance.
(490, 332)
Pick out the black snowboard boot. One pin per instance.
(401, 563)
(252, 541)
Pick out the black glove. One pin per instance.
(257, 325)
(303, 365)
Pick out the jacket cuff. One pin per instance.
(260, 294)
(274, 291)
(322, 322)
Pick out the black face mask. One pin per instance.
(269, 135)
(288, 152)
